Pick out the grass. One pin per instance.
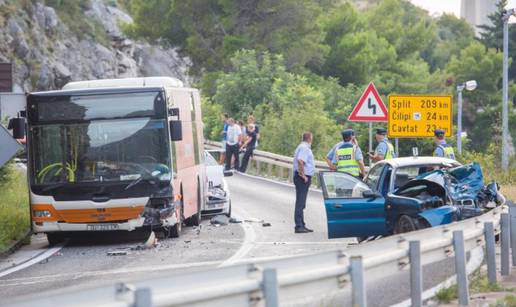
(509, 191)
(507, 301)
(14, 207)
(477, 284)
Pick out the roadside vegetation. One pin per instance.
(302, 65)
(478, 283)
(14, 206)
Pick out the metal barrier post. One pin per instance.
(142, 297)
(460, 267)
(416, 279)
(490, 251)
(505, 237)
(270, 287)
(357, 282)
(512, 215)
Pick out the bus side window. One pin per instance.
(195, 136)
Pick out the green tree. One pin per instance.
(249, 83)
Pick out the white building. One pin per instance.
(476, 12)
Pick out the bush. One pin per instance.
(490, 162)
(14, 206)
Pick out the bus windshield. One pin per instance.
(100, 150)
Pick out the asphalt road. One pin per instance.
(84, 262)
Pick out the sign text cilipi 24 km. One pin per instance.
(419, 116)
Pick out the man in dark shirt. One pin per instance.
(249, 146)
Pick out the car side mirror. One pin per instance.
(18, 127)
(228, 173)
(176, 130)
(371, 194)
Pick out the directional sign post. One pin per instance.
(413, 116)
(369, 108)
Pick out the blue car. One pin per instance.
(404, 194)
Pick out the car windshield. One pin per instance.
(102, 150)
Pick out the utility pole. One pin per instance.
(459, 118)
(505, 90)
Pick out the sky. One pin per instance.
(446, 6)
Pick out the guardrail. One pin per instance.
(272, 165)
(318, 278)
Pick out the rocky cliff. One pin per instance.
(48, 52)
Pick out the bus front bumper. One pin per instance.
(130, 225)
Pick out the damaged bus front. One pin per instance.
(99, 159)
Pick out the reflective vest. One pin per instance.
(346, 160)
(390, 151)
(447, 150)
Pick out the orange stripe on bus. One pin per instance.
(90, 215)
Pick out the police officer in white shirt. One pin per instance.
(232, 144)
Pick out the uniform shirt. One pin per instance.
(233, 134)
(332, 154)
(382, 148)
(304, 153)
(439, 152)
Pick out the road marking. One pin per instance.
(36, 259)
(247, 244)
(73, 276)
(290, 185)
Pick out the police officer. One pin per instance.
(346, 156)
(442, 149)
(384, 150)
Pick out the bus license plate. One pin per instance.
(102, 227)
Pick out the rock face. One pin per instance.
(46, 54)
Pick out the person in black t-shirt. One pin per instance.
(249, 146)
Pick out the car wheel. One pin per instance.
(229, 210)
(175, 231)
(55, 238)
(406, 224)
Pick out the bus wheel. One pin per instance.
(175, 230)
(55, 238)
(195, 220)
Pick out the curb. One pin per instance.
(15, 245)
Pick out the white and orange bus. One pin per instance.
(116, 154)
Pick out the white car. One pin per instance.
(219, 200)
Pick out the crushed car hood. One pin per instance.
(462, 182)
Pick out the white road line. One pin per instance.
(127, 270)
(36, 259)
(290, 185)
(247, 244)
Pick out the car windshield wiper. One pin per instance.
(149, 179)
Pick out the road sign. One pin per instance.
(370, 107)
(419, 115)
(8, 146)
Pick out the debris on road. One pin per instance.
(151, 241)
(266, 225)
(234, 220)
(118, 252)
(254, 220)
(219, 220)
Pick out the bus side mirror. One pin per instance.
(18, 127)
(176, 130)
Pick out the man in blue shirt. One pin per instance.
(304, 169)
(384, 150)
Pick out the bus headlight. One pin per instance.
(41, 213)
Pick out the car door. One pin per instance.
(353, 209)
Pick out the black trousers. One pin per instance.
(301, 194)
(245, 160)
(232, 151)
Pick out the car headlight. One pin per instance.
(41, 213)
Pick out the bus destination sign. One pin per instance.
(413, 116)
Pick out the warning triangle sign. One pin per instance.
(370, 107)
